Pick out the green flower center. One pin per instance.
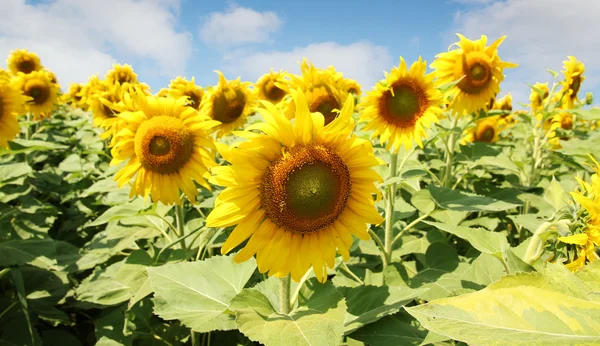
(312, 191)
(405, 104)
(576, 85)
(478, 72)
(159, 146)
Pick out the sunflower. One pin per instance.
(24, 61)
(573, 71)
(230, 103)
(166, 145)
(481, 68)
(121, 74)
(93, 87)
(52, 76)
(74, 96)
(503, 103)
(539, 94)
(42, 93)
(11, 106)
(324, 91)
(563, 121)
(299, 191)
(182, 87)
(267, 89)
(402, 106)
(486, 130)
(586, 240)
(164, 92)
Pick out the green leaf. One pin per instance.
(22, 146)
(120, 211)
(463, 201)
(554, 307)
(103, 288)
(381, 301)
(40, 253)
(556, 195)
(587, 114)
(319, 321)
(423, 201)
(492, 243)
(399, 329)
(10, 173)
(198, 293)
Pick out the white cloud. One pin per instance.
(361, 61)
(76, 38)
(239, 25)
(540, 34)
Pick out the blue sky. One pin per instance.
(166, 38)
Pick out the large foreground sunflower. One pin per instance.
(299, 191)
(24, 61)
(42, 93)
(11, 106)
(230, 103)
(482, 70)
(166, 145)
(402, 106)
(266, 87)
(573, 71)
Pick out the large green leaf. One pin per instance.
(399, 329)
(555, 307)
(492, 243)
(199, 293)
(319, 321)
(463, 201)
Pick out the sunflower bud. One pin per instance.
(589, 98)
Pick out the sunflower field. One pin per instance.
(300, 209)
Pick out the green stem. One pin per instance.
(180, 224)
(450, 155)
(284, 294)
(379, 244)
(352, 275)
(300, 284)
(389, 211)
(410, 226)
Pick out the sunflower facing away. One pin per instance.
(267, 89)
(11, 106)
(90, 89)
(24, 61)
(402, 106)
(539, 94)
(573, 71)
(230, 103)
(43, 94)
(166, 145)
(299, 191)
(182, 87)
(588, 196)
(121, 74)
(73, 96)
(324, 91)
(482, 70)
(485, 130)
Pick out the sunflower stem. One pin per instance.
(389, 211)
(284, 294)
(180, 224)
(450, 155)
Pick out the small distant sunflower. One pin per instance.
(486, 130)
(24, 61)
(42, 93)
(11, 106)
(504, 103)
(164, 92)
(93, 87)
(482, 70)
(267, 89)
(536, 99)
(353, 87)
(401, 107)
(182, 87)
(121, 74)
(167, 148)
(573, 71)
(560, 122)
(298, 192)
(52, 76)
(323, 89)
(74, 96)
(230, 103)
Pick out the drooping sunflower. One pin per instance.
(588, 238)
(267, 89)
(573, 71)
(299, 190)
(230, 103)
(182, 87)
(324, 91)
(537, 100)
(24, 61)
(560, 122)
(402, 106)
(11, 106)
(482, 70)
(167, 148)
(121, 74)
(486, 130)
(42, 93)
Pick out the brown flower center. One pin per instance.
(486, 134)
(476, 67)
(37, 90)
(305, 189)
(566, 122)
(163, 144)
(405, 105)
(229, 106)
(272, 92)
(26, 66)
(194, 100)
(324, 102)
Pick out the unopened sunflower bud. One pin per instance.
(536, 245)
(589, 98)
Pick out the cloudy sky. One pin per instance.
(163, 39)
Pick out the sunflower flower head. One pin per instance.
(11, 106)
(230, 103)
(24, 61)
(400, 108)
(573, 70)
(121, 74)
(298, 190)
(267, 89)
(480, 68)
(74, 95)
(41, 92)
(539, 94)
(166, 146)
(182, 87)
(486, 130)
